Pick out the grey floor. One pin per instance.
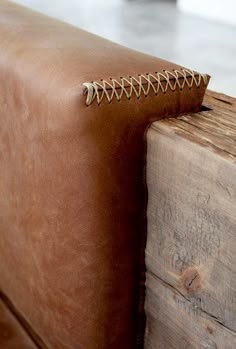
(155, 27)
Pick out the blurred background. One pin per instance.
(199, 34)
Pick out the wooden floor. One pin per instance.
(191, 248)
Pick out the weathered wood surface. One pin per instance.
(191, 246)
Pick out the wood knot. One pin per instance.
(209, 329)
(191, 280)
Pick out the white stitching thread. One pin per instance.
(142, 84)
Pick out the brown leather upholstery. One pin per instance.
(72, 193)
(12, 335)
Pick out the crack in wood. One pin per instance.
(223, 100)
(190, 283)
(211, 316)
(202, 140)
(205, 108)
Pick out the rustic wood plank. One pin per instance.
(220, 101)
(176, 323)
(191, 246)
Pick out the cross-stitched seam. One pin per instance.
(142, 84)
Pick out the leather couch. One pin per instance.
(74, 110)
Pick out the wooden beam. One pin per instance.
(191, 246)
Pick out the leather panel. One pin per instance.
(72, 185)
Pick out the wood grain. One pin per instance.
(191, 246)
(176, 323)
